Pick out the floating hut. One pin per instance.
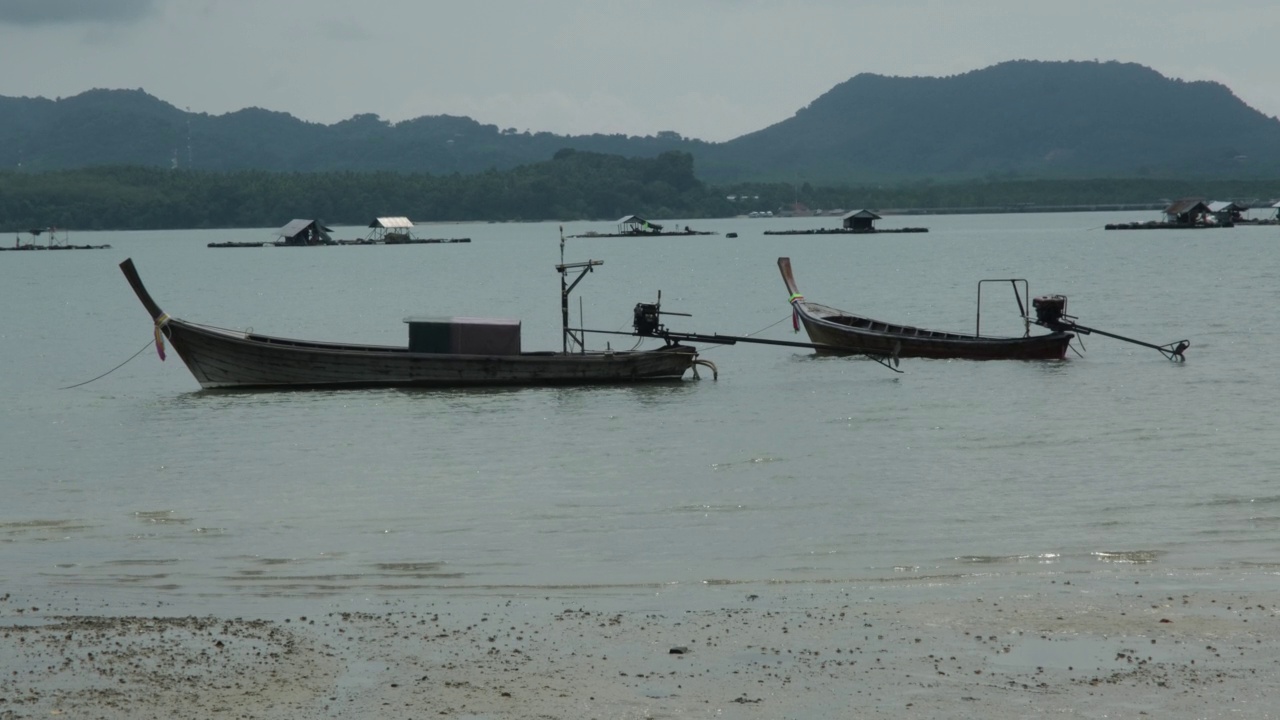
(54, 242)
(397, 231)
(636, 225)
(853, 222)
(859, 221)
(304, 232)
(391, 229)
(1227, 213)
(1187, 213)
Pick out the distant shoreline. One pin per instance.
(1000, 209)
(992, 210)
(972, 210)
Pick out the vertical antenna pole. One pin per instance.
(564, 298)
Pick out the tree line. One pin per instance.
(573, 185)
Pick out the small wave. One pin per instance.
(999, 559)
(710, 508)
(1133, 557)
(160, 520)
(1258, 565)
(410, 567)
(34, 524)
(742, 463)
(1233, 501)
(21, 527)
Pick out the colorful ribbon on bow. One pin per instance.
(160, 321)
(795, 312)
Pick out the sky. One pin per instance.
(706, 69)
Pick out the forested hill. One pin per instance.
(1016, 119)
(1020, 119)
(131, 127)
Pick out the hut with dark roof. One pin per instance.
(1190, 212)
(305, 232)
(859, 221)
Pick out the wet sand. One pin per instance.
(1096, 646)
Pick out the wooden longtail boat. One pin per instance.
(830, 327)
(221, 358)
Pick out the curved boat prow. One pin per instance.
(784, 264)
(135, 282)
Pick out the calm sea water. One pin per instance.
(789, 468)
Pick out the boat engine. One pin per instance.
(645, 321)
(1050, 310)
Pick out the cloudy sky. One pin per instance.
(709, 69)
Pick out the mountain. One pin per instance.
(131, 127)
(1016, 119)
(1019, 119)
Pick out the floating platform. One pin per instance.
(1157, 225)
(410, 241)
(57, 247)
(680, 233)
(423, 241)
(844, 231)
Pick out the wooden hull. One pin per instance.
(227, 359)
(221, 359)
(841, 331)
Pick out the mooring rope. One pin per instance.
(150, 342)
(783, 319)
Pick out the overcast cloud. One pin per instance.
(711, 69)
(51, 12)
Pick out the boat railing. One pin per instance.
(1024, 301)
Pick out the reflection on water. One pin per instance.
(1089, 653)
(458, 397)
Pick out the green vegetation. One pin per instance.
(1014, 121)
(129, 127)
(571, 186)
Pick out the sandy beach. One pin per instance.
(1096, 646)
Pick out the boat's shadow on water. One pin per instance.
(648, 391)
